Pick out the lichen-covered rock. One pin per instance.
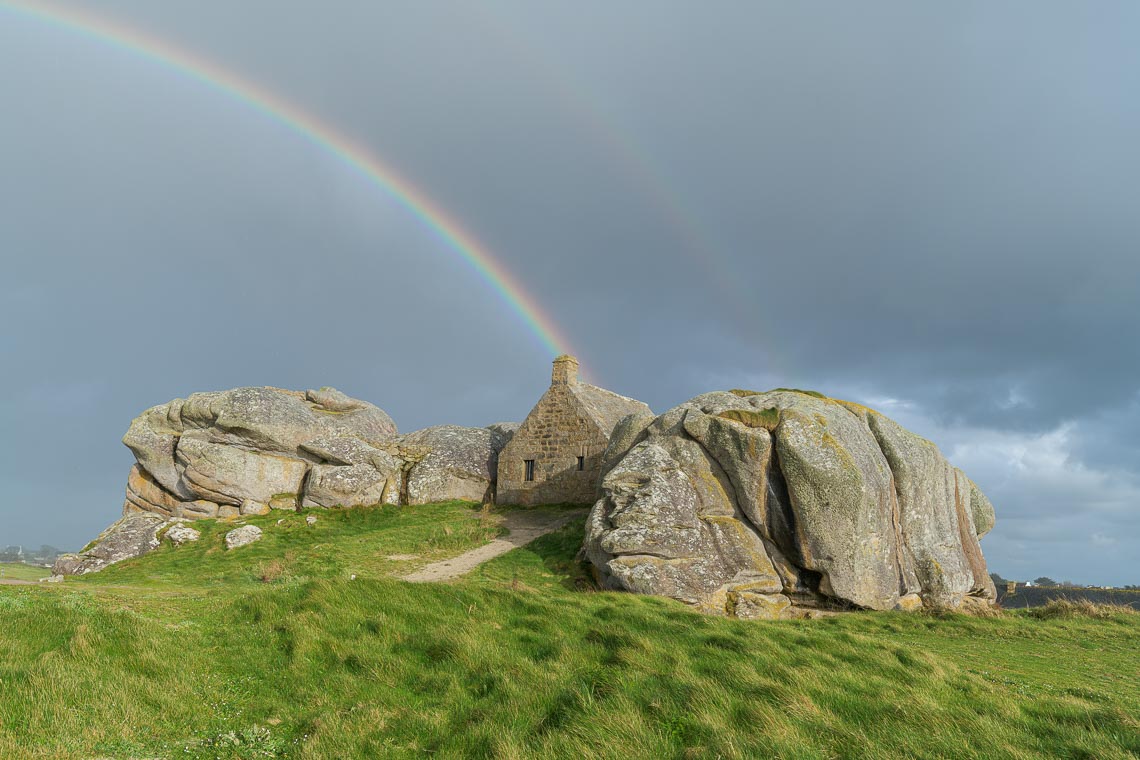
(144, 494)
(246, 444)
(332, 400)
(242, 536)
(669, 526)
(750, 605)
(981, 509)
(199, 509)
(152, 437)
(343, 450)
(232, 475)
(628, 431)
(279, 421)
(356, 474)
(181, 534)
(744, 503)
(132, 536)
(505, 432)
(254, 507)
(458, 463)
(247, 451)
(354, 485)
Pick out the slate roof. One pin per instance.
(606, 408)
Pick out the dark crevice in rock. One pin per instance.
(779, 516)
(815, 580)
(812, 579)
(303, 488)
(896, 523)
(405, 475)
(817, 600)
(786, 569)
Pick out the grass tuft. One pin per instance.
(1074, 608)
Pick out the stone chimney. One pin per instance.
(565, 371)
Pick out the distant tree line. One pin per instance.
(45, 555)
(1046, 581)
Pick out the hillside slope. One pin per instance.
(275, 651)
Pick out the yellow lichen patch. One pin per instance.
(762, 418)
(857, 409)
(841, 453)
(709, 488)
(743, 393)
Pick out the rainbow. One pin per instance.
(695, 240)
(314, 131)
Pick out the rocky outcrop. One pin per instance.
(737, 503)
(763, 504)
(246, 450)
(132, 536)
(250, 450)
(457, 463)
(333, 486)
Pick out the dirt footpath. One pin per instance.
(524, 527)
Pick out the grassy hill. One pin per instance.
(275, 651)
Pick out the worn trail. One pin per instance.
(524, 526)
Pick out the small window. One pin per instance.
(581, 463)
(529, 469)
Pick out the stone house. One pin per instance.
(555, 456)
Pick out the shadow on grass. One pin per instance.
(550, 558)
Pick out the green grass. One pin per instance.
(17, 571)
(343, 543)
(188, 653)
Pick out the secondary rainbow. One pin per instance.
(320, 134)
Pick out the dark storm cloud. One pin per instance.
(928, 208)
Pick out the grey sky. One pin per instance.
(930, 208)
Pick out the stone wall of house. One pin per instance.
(554, 435)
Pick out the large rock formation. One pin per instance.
(458, 463)
(761, 504)
(250, 450)
(214, 454)
(739, 503)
